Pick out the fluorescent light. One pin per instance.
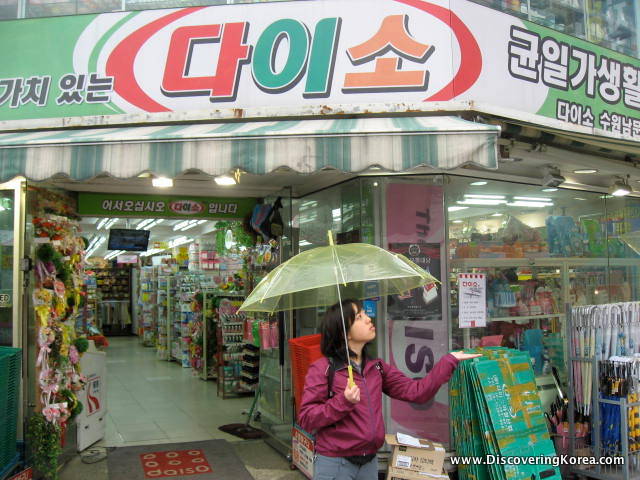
(162, 182)
(102, 223)
(586, 170)
(200, 222)
(154, 223)
(144, 223)
(335, 213)
(178, 226)
(111, 222)
(225, 180)
(533, 199)
(495, 197)
(457, 221)
(455, 209)
(478, 183)
(581, 199)
(180, 241)
(497, 214)
(524, 203)
(482, 201)
(191, 224)
(549, 189)
(303, 243)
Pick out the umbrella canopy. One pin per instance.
(311, 278)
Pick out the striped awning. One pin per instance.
(305, 146)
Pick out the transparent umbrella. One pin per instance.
(325, 275)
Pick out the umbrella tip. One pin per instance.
(330, 234)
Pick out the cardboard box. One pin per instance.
(415, 462)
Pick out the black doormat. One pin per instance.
(210, 460)
(242, 430)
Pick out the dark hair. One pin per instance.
(332, 343)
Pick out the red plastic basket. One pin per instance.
(304, 351)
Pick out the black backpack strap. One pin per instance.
(331, 372)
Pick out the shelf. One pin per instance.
(530, 317)
(552, 262)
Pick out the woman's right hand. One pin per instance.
(352, 393)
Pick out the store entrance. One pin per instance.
(162, 299)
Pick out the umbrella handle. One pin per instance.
(351, 383)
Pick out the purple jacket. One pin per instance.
(344, 429)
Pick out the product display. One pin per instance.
(604, 386)
(495, 410)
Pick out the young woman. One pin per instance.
(347, 421)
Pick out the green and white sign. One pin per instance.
(444, 53)
(163, 206)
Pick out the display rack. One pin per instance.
(164, 326)
(230, 344)
(187, 285)
(147, 293)
(209, 342)
(630, 468)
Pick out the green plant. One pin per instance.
(82, 344)
(45, 252)
(44, 445)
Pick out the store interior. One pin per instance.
(161, 297)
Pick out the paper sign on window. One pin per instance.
(472, 300)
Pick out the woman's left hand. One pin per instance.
(465, 356)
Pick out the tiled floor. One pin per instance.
(153, 401)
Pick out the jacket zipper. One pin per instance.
(366, 387)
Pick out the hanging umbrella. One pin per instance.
(324, 275)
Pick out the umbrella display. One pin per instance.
(324, 276)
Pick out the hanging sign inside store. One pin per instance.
(5, 299)
(165, 206)
(472, 300)
(199, 59)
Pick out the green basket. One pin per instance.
(10, 365)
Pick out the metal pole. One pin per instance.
(624, 436)
(572, 409)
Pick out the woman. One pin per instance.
(347, 420)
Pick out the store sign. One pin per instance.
(203, 58)
(472, 300)
(116, 205)
(302, 451)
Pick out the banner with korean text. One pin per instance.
(203, 59)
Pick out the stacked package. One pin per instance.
(496, 413)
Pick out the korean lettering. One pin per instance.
(524, 55)
(387, 75)
(605, 120)
(12, 90)
(139, 207)
(128, 206)
(574, 113)
(37, 90)
(71, 85)
(609, 74)
(586, 73)
(98, 89)
(160, 207)
(150, 207)
(631, 86)
(107, 204)
(616, 123)
(117, 204)
(555, 64)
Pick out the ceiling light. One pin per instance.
(144, 223)
(524, 203)
(496, 214)
(620, 188)
(580, 198)
(496, 197)
(586, 170)
(481, 201)
(162, 182)
(455, 209)
(549, 189)
(457, 221)
(478, 183)
(179, 225)
(102, 223)
(225, 180)
(533, 199)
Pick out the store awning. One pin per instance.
(305, 146)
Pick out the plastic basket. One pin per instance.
(304, 351)
(10, 364)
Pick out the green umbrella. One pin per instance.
(324, 275)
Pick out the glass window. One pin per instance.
(6, 267)
(613, 24)
(539, 249)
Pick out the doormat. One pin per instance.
(210, 460)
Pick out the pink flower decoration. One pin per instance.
(74, 356)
